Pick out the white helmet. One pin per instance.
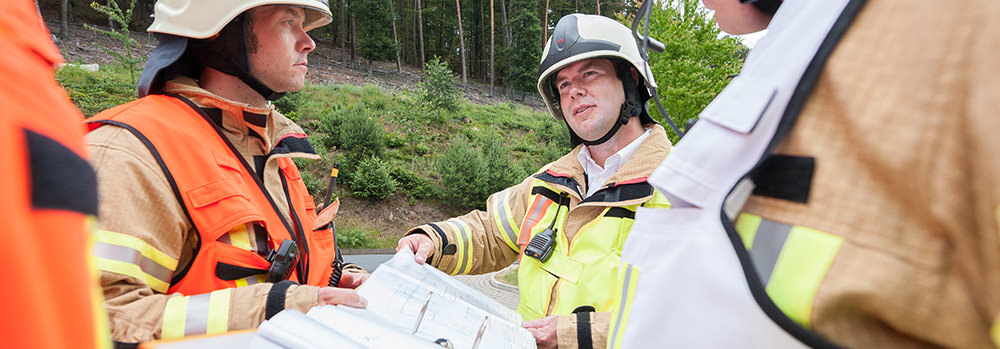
(578, 37)
(199, 19)
(192, 25)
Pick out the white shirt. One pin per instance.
(596, 175)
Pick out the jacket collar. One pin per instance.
(650, 154)
(282, 137)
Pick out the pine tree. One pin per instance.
(524, 53)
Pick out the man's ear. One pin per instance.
(635, 74)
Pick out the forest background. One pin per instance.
(428, 106)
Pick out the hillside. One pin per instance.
(333, 85)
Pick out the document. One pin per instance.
(409, 305)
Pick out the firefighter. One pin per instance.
(206, 223)
(843, 190)
(567, 222)
(49, 199)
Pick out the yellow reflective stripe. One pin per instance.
(198, 314)
(239, 237)
(132, 270)
(102, 332)
(995, 330)
(628, 278)
(504, 220)
(173, 317)
(799, 270)
(746, 226)
(137, 244)
(252, 280)
(464, 246)
(218, 311)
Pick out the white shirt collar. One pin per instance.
(596, 175)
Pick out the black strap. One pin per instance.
(785, 177)
(446, 248)
(584, 337)
(276, 298)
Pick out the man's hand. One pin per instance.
(420, 244)
(336, 295)
(352, 279)
(544, 330)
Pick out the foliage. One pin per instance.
(289, 105)
(524, 53)
(437, 90)
(361, 136)
(372, 179)
(97, 91)
(501, 172)
(374, 29)
(696, 65)
(120, 34)
(350, 236)
(463, 175)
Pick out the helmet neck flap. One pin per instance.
(229, 53)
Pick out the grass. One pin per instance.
(507, 276)
(414, 136)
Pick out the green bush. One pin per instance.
(501, 171)
(361, 136)
(437, 91)
(349, 236)
(463, 175)
(372, 179)
(289, 105)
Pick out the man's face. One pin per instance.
(737, 18)
(282, 45)
(590, 97)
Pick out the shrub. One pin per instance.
(501, 172)
(371, 179)
(289, 105)
(463, 173)
(349, 236)
(437, 90)
(361, 136)
(95, 92)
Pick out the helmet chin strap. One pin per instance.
(630, 108)
(228, 53)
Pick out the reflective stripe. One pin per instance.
(628, 282)
(995, 329)
(198, 314)
(501, 213)
(791, 261)
(252, 280)
(136, 244)
(126, 261)
(238, 237)
(130, 256)
(464, 254)
(767, 244)
(537, 209)
(800, 269)
(173, 317)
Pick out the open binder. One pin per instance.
(409, 305)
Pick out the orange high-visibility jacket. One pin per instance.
(219, 190)
(50, 295)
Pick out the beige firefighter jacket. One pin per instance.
(491, 252)
(902, 125)
(136, 200)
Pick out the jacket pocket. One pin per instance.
(220, 205)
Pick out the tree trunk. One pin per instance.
(395, 38)
(420, 33)
(493, 50)
(598, 7)
(354, 38)
(461, 46)
(413, 38)
(64, 17)
(111, 23)
(343, 29)
(503, 13)
(545, 24)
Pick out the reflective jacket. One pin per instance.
(50, 297)
(193, 200)
(219, 192)
(582, 269)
